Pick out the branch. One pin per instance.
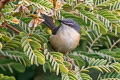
(114, 44)
(95, 40)
(4, 24)
(1, 56)
(2, 3)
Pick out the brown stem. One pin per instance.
(1, 56)
(41, 49)
(2, 3)
(4, 24)
(0, 14)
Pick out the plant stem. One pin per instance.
(10, 27)
(2, 3)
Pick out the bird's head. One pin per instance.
(70, 23)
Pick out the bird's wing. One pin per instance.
(49, 22)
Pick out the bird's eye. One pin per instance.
(69, 24)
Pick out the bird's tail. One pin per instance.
(49, 22)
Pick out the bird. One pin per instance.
(66, 36)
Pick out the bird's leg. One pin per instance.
(70, 60)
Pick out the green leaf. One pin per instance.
(3, 77)
(18, 67)
(35, 45)
(72, 75)
(63, 69)
(40, 57)
(85, 76)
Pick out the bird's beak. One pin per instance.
(61, 21)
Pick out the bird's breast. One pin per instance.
(65, 40)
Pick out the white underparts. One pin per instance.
(66, 39)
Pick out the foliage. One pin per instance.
(24, 40)
(2, 77)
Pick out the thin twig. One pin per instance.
(4, 24)
(1, 56)
(2, 3)
(95, 41)
(114, 44)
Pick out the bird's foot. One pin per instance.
(72, 62)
